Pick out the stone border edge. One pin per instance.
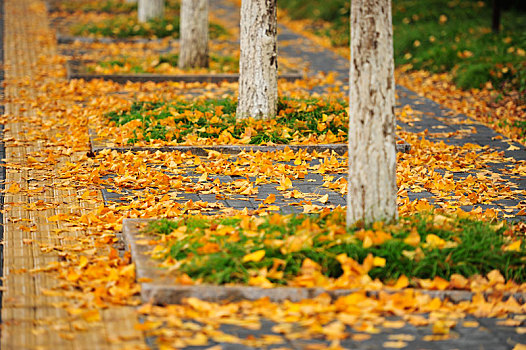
(161, 290)
(96, 146)
(74, 71)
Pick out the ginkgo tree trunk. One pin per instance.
(372, 141)
(193, 50)
(258, 62)
(150, 9)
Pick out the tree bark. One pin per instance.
(258, 64)
(495, 17)
(150, 9)
(193, 34)
(372, 154)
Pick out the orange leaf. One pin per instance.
(91, 316)
(270, 199)
(413, 239)
(402, 282)
(14, 188)
(284, 184)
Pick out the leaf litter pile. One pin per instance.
(92, 275)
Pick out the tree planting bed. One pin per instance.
(311, 124)
(159, 287)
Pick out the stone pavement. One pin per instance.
(489, 336)
(2, 150)
(24, 306)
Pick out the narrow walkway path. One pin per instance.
(2, 152)
(30, 317)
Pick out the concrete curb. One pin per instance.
(75, 70)
(161, 289)
(70, 39)
(96, 146)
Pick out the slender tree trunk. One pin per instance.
(258, 65)
(372, 152)
(495, 18)
(150, 9)
(193, 34)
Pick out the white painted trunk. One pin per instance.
(150, 9)
(372, 140)
(193, 34)
(258, 64)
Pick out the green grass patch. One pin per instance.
(126, 26)
(424, 246)
(181, 121)
(439, 36)
(160, 64)
(108, 6)
(521, 125)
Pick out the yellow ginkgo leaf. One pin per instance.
(254, 256)
(324, 198)
(378, 261)
(203, 177)
(513, 247)
(413, 239)
(14, 188)
(270, 199)
(433, 241)
(284, 184)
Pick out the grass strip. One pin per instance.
(158, 64)
(123, 26)
(282, 248)
(106, 6)
(180, 121)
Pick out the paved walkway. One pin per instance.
(30, 318)
(2, 149)
(34, 319)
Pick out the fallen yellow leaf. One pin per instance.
(324, 198)
(513, 247)
(13, 189)
(395, 344)
(271, 198)
(254, 256)
(378, 261)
